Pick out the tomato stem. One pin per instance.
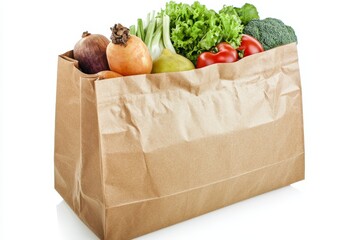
(214, 50)
(241, 53)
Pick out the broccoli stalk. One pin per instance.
(270, 32)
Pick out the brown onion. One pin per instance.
(108, 74)
(90, 51)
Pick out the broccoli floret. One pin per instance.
(270, 32)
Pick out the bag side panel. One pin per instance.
(77, 158)
(67, 133)
(91, 191)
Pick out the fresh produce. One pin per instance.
(247, 13)
(171, 62)
(107, 74)
(90, 51)
(180, 36)
(249, 45)
(140, 31)
(270, 32)
(195, 29)
(156, 33)
(225, 54)
(127, 54)
(166, 33)
(157, 45)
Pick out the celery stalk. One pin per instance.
(132, 30)
(150, 32)
(148, 18)
(140, 29)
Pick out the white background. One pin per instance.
(324, 206)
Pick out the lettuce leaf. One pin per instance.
(231, 26)
(195, 29)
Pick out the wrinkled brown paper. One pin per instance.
(135, 154)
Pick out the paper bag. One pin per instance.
(138, 153)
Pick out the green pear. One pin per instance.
(171, 62)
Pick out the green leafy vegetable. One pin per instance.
(231, 26)
(190, 30)
(270, 32)
(195, 29)
(247, 13)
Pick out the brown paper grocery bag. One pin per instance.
(138, 153)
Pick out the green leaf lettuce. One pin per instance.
(195, 29)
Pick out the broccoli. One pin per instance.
(270, 32)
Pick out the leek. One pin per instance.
(150, 30)
(156, 46)
(166, 34)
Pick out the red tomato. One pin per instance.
(249, 45)
(226, 53)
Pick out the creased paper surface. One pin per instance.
(152, 150)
